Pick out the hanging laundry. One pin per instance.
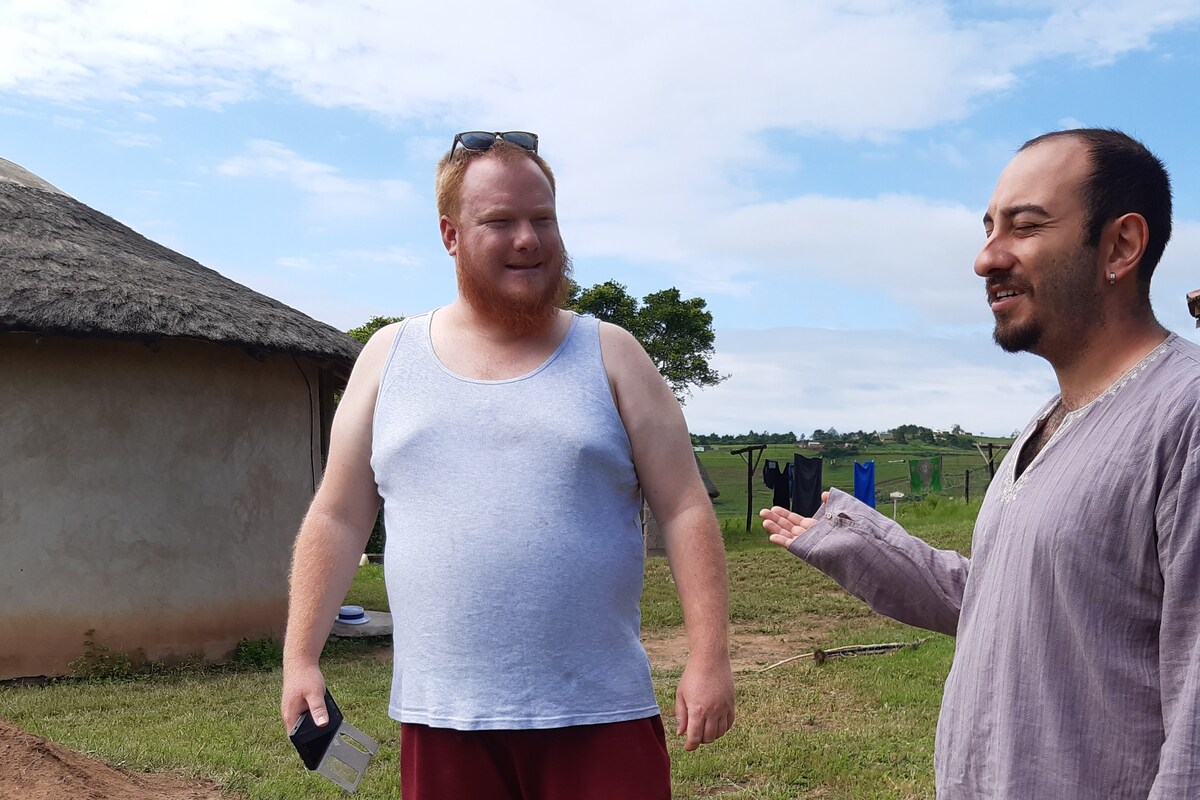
(779, 482)
(806, 485)
(925, 475)
(864, 482)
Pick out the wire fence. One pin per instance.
(969, 484)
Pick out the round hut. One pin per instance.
(163, 429)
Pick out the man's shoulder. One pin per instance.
(1175, 385)
(613, 334)
(1179, 374)
(376, 351)
(1188, 352)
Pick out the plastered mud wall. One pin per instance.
(150, 493)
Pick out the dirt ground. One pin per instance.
(32, 768)
(749, 651)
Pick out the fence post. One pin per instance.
(967, 486)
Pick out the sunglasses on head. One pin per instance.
(483, 140)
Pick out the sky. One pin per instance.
(817, 172)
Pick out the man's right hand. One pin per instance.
(303, 690)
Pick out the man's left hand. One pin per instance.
(704, 702)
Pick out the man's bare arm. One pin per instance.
(333, 536)
(665, 463)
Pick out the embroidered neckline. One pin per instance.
(1011, 487)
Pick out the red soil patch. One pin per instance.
(33, 768)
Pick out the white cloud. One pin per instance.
(330, 193)
(916, 251)
(1097, 33)
(350, 261)
(799, 379)
(299, 264)
(677, 96)
(132, 139)
(852, 69)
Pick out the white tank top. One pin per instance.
(514, 557)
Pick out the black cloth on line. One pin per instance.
(806, 479)
(779, 482)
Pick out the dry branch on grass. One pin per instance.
(849, 651)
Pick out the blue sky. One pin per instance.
(816, 171)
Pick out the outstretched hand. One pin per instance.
(784, 526)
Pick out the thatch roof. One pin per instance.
(67, 269)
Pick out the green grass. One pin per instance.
(851, 728)
(368, 590)
(728, 473)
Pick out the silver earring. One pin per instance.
(1112, 279)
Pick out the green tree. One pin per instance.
(676, 333)
(364, 331)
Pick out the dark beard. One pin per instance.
(521, 314)
(1073, 299)
(1018, 338)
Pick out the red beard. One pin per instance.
(521, 312)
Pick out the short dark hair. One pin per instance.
(1124, 177)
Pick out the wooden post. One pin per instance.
(751, 454)
(967, 486)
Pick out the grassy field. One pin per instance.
(851, 728)
(728, 473)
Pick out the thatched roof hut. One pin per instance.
(164, 430)
(70, 270)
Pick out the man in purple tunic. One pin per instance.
(1077, 665)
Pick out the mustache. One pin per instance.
(1007, 282)
(995, 284)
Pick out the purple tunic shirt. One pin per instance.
(1077, 667)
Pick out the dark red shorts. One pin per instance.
(611, 761)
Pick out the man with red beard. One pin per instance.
(1077, 663)
(519, 671)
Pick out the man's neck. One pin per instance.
(474, 346)
(1106, 354)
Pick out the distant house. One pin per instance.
(887, 437)
(163, 430)
(815, 445)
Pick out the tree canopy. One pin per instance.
(676, 333)
(367, 329)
